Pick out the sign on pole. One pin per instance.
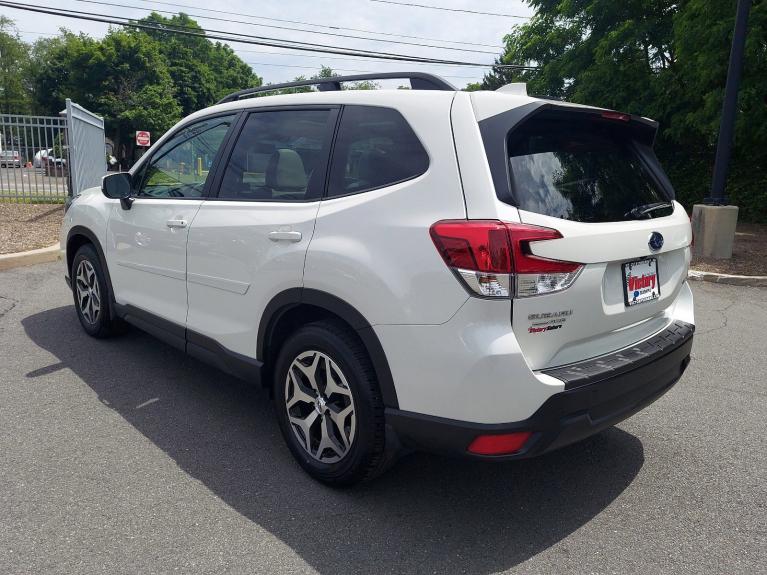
(143, 139)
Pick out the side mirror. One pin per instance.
(118, 187)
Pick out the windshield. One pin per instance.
(581, 169)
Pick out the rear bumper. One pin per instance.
(598, 394)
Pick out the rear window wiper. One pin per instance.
(639, 212)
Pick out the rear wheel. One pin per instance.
(329, 405)
(91, 294)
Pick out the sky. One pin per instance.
(334, 16)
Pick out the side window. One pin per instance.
(375, 148)
(180, 168)
(278, 157)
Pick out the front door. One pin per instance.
(146, 244)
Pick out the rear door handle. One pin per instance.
(285, 236)
(176, 223)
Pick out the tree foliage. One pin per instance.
(137, 80)
(660, 58)
(14, 69)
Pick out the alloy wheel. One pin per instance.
(320, 406)
(88, 293)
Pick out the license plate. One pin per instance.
(640, 281)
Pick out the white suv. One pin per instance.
(484, 274)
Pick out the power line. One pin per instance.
(243, 38)
(323, 57)
(412, 5)
(304, 23)
(292, 29)
(336, 69)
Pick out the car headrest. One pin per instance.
(285, 171)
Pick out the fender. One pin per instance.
(293, 297)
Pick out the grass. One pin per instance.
(32, 200)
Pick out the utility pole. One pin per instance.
(715, 221)
(729, 107)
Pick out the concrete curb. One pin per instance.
(39, 256)
(752, 281)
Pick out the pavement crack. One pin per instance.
(5, 309)
(725, 319)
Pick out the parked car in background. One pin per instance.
(484, 274)
(39, 158)
(10, 159)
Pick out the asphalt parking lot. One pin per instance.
(125, 456)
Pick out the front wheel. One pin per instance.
(91, 294)
(329, 405)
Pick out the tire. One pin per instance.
(91, 295)
(353, 443)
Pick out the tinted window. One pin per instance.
(584, 170)
(181, 166)
(375, 148)
(278, 156)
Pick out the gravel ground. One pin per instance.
(29, 226)
(749, 254)
(125, 456)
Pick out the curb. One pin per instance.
(751, 281)
(39, 256)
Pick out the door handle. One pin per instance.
(176, 223)
(285, 236)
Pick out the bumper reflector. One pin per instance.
(504, 444)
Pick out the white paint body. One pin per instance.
(451, 355)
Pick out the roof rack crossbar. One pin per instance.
(418, 81)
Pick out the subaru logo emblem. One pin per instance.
(656, 241)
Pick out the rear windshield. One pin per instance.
(586, 170)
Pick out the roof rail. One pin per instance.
(418, 81)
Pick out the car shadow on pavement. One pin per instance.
(426, 514)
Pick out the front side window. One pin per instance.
(581, 169)
(181, 166)
(279, 156)
(375, 147)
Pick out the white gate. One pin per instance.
(87, 148)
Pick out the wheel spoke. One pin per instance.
(305, 425)
(339, 420)
(327, 441)
(309, 371)
(300, 394)
(332, 387)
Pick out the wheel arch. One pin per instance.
(298, 306)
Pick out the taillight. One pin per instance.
(493, 259)
(504, 444)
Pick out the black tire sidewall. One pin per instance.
(368, 443)
(102, 326)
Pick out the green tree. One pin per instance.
(201, 72)
(15, 80)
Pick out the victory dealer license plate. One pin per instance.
(640, 281)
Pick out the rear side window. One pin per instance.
(278, 157)
(586, 170)
(375, 147)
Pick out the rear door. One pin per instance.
(592, 176)
(249, 242)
